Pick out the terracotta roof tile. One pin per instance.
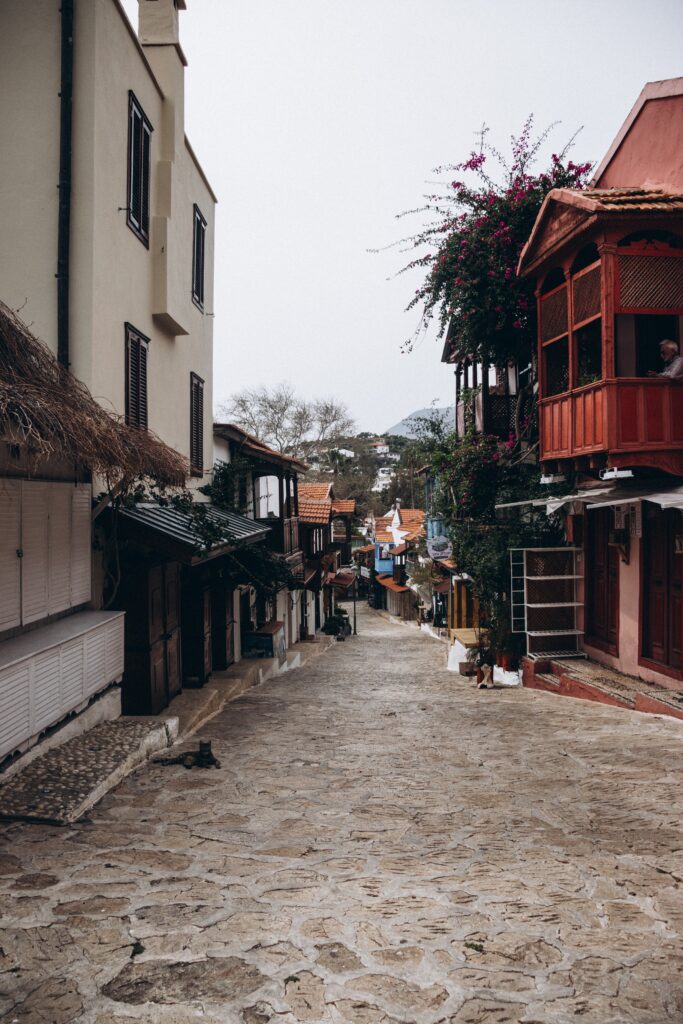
(317, 492)
(343, 505)
(317, 512)
(634, 198)
(386, 581)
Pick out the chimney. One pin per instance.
(158, 22)
(158, 32)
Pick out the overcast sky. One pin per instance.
(317, 121)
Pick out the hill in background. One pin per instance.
(409, 427)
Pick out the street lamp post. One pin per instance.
(356, 572)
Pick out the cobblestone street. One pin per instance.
(383, 843)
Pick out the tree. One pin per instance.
(291, 425)
(474, 240)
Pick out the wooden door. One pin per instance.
(229, 627)
(158, 693)
(156, 597)
(602, 581)
(172, 628)
(662, 583)
(173, 674)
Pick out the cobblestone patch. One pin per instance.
(60, 786)
(384, 844)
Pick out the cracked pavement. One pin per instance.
(384, 843)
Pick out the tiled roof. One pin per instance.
(311, 511)
(384, 537)
(634, 199)
(252, 446)
(317, 492)
(447, 563)
(400, 550)
(410, 518)
(387, 581)
(342, 506)
(343, 579)
(365, 550)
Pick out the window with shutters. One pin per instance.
(196, 425)
(198, 245)
(136, 377)
(139, 146)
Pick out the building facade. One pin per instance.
(608, 263)
(129, 230)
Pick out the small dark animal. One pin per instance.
(202, 758)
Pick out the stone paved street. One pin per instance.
(384, 843)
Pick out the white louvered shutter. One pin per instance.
(81, 546)
(59, 544)
(46, 695)
(15, 709)
(34, 544)
(95, 661)
(10, 545)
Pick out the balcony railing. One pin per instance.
(284, 535)
(494, 414)
(624, 415)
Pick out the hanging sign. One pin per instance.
(439, 548)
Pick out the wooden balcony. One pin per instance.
(632, 421)
(284, 535)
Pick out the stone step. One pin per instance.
(58, 787)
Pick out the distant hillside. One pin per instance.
(409, 427)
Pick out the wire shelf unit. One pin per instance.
(544, 600)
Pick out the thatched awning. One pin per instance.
(46, 410)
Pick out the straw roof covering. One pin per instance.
(45, 409)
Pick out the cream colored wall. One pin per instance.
(29, 161)
(114, 278)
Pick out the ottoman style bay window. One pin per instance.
(609, 267)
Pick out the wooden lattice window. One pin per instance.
(139, 148)
(136, 377)
(196, 425)
(586, 295)
(554, 314)
(650, 282)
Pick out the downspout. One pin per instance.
(64, 223)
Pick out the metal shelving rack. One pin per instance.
(544, 600)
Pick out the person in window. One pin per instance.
(673, 362)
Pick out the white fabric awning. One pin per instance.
(623, 496)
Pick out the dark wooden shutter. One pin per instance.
(139, 152)
(198, 258)
(197, 424)
(136, 378)
(144, 178)
(142, 387)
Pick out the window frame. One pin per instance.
(135, 338)
(139, 222)
(198, 265)
(196, 425)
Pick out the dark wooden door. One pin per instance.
(156, 620)
(602, 580)
(172, 628)
(662, 587)
(229, 627)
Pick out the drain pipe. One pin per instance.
(64, 223)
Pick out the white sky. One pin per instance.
(317, 121)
